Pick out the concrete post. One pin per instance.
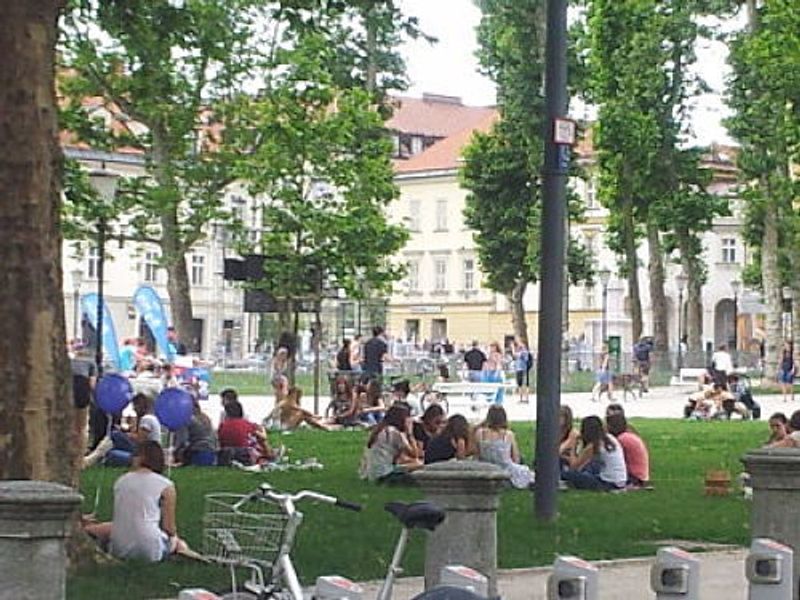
(468, 491)
(775, 478)
(34, 522)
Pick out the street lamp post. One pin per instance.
(77, 280)
(105, 184)
(605, 276)
(680, 281)
(736, 286)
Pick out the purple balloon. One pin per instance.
(174, 407)
(113, 393)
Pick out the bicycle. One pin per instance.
(257, 531)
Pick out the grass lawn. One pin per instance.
(358, 545)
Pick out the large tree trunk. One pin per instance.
(771, 282)
(658, 300)
(632, 267)
(38, 426)
(693, 322)
(517, 306)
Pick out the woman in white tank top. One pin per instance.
(601, 464)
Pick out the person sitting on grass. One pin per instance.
(497, 445)
(792, 437)
(601, 464)
(569, 438)
(428, 427)
(146, 426)
(637, 458)
(291, 415)
(143, 525)
(197, 442)
(343, 409)
(777, 428)
(454, 441)
(242, 440)
(370, 403)
(390, 454)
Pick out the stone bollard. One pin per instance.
(468, 491)
(775, 478)
(34, 522)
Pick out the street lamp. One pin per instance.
(605, 276)
(736, 286)
(680, 281)
(105, 184)
(77, 280)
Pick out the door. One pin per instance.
(412, 330)
(438, 330)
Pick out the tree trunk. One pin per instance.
(693, 322)
(771, 281)
(632, 267)
(658, 300)
(38, 427)
(517, 306)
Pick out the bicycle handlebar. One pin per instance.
(348, 505)
(266, 491)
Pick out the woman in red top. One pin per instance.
(637, 458)
(237, 432)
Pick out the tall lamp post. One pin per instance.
(77, 280)
(105, 184)
(680, 281)
(605, 276)
(736, 286)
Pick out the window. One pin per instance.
(589, 297)
(441, 215)
(414, 215)
(413, 276)
(469, 274)
(151, 266)
(728, 250)
(416, 145)
(92, 262)
(440, 274)
(591, 193)
(198, 269)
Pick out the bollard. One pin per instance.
(775, 514)
(332, 587)
(34, 523)
(465, 578)
(468, 491)
(769, 570)
(675, 574)
(573, 579)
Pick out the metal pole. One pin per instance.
(76, 301)
(680, 331)
(101, 259)
(605, 313)
(735, 329)
(554, 180)
(317, 336)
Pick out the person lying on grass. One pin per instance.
(637, 458)
(601, 464)
(143, 523)
(497, 445)
(454, 441)
(390, 453)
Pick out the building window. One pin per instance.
(441, 215)
(151, 266)
(728, 250)
(469, 274)
(440, 275)
(416, 145)
(198, 269)
(414, 215)
(413, 276)
(589, 296)
(92, 262)
(591, 193)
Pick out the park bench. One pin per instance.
(688, 375)
(476, 392)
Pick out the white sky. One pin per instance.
(450, 67)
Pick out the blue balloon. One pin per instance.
(113, 393)
(174, 407)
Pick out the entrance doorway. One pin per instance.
(412, 330)
(438, 330)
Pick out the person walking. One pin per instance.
(376, 351)
(523, 361)
(787, 372)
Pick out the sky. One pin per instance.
(450, 67)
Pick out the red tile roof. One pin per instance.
(436, 116)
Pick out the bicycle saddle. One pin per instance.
(416, 514)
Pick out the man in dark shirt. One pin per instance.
(375, 351)
(474, 357)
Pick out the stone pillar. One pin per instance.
(469, 493)
(34, 522)
(775, 478)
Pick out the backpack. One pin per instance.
(642, 352)
(529, 360)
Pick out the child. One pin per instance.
(601, 464)
(390, 453)
(452, 442)
(497, 445)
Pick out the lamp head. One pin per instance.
(605, 276)
(736, 286)
(680, 280)
(77, 278)
(105, 184)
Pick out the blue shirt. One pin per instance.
(127, 358)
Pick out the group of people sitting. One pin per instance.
(720, 397)
(608, 456)
(400, 444)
